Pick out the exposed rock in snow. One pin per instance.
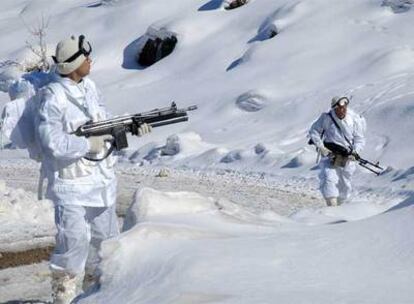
(148, 152)
(172, 147)
(232, 156)
(399, 6)
(156, 44)
(267, 31)
(304, 157)
(252, 101)
(185, 144)
(232, 4)
(260, 148)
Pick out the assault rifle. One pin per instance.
(118, 127)
(338, 149)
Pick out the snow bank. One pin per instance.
(149, 203)
(152, 205)
(354, 211)
(25, 222)
(182, 246)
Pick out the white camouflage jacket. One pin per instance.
(353, 127)
(72, 179)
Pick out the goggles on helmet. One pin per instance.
(84, 49)
(343, 101)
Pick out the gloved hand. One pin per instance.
(97, 143)
(325, 151)
(353, 156)
(144, 129)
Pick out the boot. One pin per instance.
(63, 287)
(331, 201)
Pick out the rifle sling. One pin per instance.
(340, 130)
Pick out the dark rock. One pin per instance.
(259, 149)
(236, 3)
(251, 101)
(231, 157)
(272, 34)
(156, 49)
(399, 6)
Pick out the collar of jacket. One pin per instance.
(76, 90)
(348, 117)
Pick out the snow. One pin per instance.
(27, 282)
(25, 222)
(256, 99)
(188, 249)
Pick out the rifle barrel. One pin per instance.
(168, 122)
(367, 162)
(370, 169)
(192, 108)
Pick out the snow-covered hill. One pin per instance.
(257, 96)
(250, 90)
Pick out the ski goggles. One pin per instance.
(343, 101)
(85, 49)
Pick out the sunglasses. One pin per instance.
(84, 49)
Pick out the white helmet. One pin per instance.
(71, 53)
(342, 101)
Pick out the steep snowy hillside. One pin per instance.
(260, 74)
(250, 89)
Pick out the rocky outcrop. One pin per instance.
(157, 45)
(235, 4)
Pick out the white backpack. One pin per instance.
(17, 124)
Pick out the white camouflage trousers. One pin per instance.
(80, 232)
(336, 181)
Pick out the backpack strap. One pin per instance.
(59, 92)
(340, 130)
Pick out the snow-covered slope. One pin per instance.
(190, 249)
(25, 222)
(257, 98)
(250, 90)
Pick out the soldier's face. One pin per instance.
(340, 111)
(85, 68)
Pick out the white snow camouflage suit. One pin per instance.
(336, 181)
(83, 192)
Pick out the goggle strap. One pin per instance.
(339, 101)
(74, 56)
(81, 51)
